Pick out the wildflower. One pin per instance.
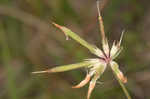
(96, 66)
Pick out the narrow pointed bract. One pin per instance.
(115, 68)
(74, 36)
(65, 67)
(101, 25)
(116, 48)
(92, 85)
(83, 82)
(60, 27)
(121, 77)
(121, 37)
(105, 47)
(39, 72)
(98, 52)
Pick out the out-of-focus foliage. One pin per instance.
(28, 42)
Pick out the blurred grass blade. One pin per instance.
(74, 36)
(6, 58)
(66, 67)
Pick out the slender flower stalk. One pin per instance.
(98, 65)
(124, 89)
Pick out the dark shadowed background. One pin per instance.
(29, 42)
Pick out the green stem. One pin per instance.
(6, 58)
(123, 87)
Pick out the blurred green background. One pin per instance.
(29, 42)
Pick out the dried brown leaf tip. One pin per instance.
(95, 66)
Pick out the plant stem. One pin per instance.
(123, 87)
(6, 58)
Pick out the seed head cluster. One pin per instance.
(96, 66)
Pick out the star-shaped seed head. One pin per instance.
(96, 66)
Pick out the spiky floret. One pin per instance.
(96, 66)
